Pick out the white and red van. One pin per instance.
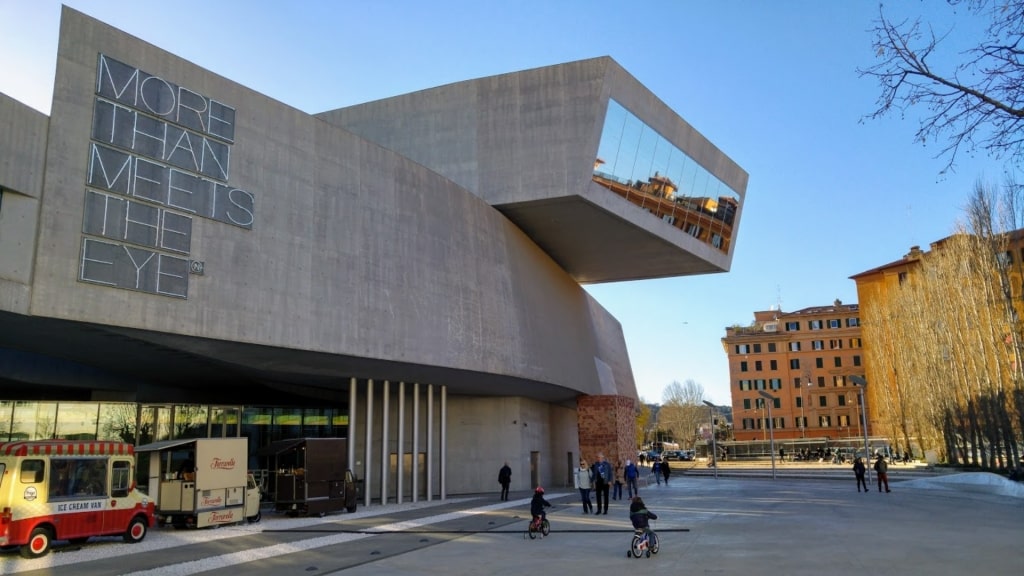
(69, 490)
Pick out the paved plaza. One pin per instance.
(739, 523)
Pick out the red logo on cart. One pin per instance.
(218, 464)
(222, 516)
(209, 502)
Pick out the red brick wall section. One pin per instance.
(607, 424)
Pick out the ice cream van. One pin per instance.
(69, 490)
(199, 482)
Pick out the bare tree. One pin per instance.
(976, 104)
(682, 410)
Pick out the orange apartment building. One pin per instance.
(804, 360)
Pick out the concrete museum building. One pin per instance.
(181, 256)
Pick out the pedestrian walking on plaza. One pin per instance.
(860, 470)
(602, 482)
(883, 472)
(617, 487)
(583, 479)
(631, 473)
(504, 478)
(656, 471)
(665, 471)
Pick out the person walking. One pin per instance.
(504, 478)
(617, 486)
(656, 471)
(583, 479)
(631, 474)
(602, 482)
(666, 470)
(882, 470)
(860, 471)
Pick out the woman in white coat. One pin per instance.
(584, 482)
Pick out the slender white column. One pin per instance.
(400, 442)
(430, 442)
(384, 463)
(352, 395)
(444, 443)
(367, 470)
(416, 442)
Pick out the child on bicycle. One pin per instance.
(639, 515)
(538, 504)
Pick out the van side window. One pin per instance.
(120, 479)
(78, 477)
(32, 471)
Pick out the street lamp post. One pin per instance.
(861, 384)
(714, 446)
(771, 429)
(803, 419)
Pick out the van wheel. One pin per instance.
(136, 530)
(38, 543)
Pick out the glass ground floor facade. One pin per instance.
(145, 423)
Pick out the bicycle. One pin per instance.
(537, 526)
(645, 542)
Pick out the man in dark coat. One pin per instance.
(504, 478)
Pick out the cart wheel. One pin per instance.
(629, 553)
(256, 517)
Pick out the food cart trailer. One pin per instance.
(202, 481)
(311, 475)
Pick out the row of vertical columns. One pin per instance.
(399, 441)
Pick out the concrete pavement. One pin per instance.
(732, 525)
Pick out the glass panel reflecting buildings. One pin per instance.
(637, 163)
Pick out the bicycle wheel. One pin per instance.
(545, 527)
(654, 544)
(532, 531)
(635, 547)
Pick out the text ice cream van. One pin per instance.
(200, 482)
(69, 490)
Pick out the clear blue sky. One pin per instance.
(772, 84)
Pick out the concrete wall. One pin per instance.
(355, 250)
(22, 156)
(483, 432)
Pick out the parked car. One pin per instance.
(688, 455)
(672, 455)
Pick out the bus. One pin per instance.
(661, 447)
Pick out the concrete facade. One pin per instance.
(168, 235)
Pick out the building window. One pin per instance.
(771, 346)
(856, 360)
(825, 421)
(774, 364)
(852, 322)
(794, 364)
(839, 381)
(759, 384)
(823, 401)
(817, 344)
(757, 365)
(855, 343)
(794, 346)
(814, 324)
(744, 385)
(775, 383)
(835, 343)
(746, 403)
(842, 400)
(819, 362)
(757, 348)
(838, 361)
(821, 381)
(799, 402)
(743, 366)
(835, 323)
(902, 276)
(792, 326)
(796, 382)
(742, 348)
